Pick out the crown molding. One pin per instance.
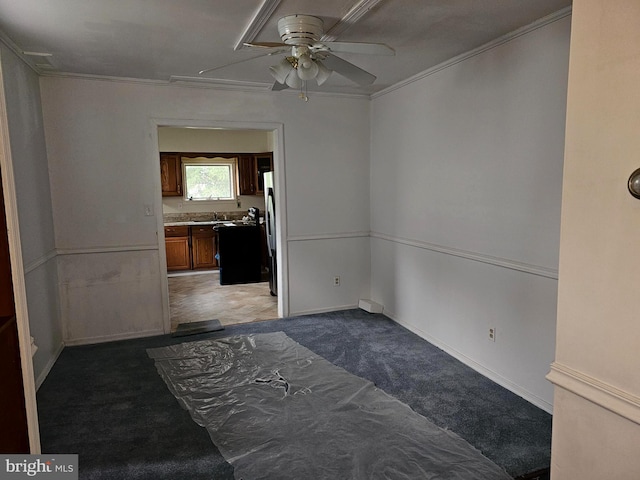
(354, 14)
(211, 83)
(256, 24)
(19, 53)
(194, 82)
(554, 17)
(219, 82)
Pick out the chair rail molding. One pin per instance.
(614, 399)
(469, 255)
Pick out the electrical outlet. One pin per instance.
(148, 210)
(336, 281)
(492, 334)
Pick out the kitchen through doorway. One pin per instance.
(199, 296)
(193, 216)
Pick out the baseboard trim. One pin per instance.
(611, 398)
(490, 374)
(112, 338)
(321, 310)
(52, 361)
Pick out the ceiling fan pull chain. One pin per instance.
(303, 91)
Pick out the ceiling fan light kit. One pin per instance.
(293, 80)
(323, 73)
(307, 68)
(301, 66)
(303, 33)
(282, 69)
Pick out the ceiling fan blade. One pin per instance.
(277, 86)
(352, 47)
(207, 70)
(349, 70)
(266, 45)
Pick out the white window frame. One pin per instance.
(232, 162)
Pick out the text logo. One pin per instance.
(50, 467)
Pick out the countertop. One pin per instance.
(226, 223)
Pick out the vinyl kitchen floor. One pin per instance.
(197, 297)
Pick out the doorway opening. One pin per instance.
(195, 297)
(202, 281)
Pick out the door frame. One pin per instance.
(17, 275)
(277, 131)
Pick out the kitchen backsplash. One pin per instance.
(202, 216)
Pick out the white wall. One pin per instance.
(466, 178)
(596, 431)
(104, 169)
(31, 177)
(213, 141)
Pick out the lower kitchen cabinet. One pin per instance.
(203, 247)
(178, 253)
(191, 248)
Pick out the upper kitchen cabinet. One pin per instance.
(170, 174)
(251, 169)
(264, 163)
(246, 175)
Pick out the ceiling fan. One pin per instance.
(310, 58)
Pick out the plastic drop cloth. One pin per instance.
(275, 409)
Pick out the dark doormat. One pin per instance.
(544, 474)
(194, 328)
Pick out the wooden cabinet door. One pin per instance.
(264, 163)
(170, 174)
(178, 253)
(247, 175)
(203, 247)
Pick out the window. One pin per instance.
(209, 178)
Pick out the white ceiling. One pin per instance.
(158, 39)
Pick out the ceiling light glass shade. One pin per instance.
(281, 70)
(323, 73)
(293, 80)
(307, 68)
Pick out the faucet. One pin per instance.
(215, 215)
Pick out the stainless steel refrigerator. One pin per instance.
(270, 230)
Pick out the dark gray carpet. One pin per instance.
(107, 403)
